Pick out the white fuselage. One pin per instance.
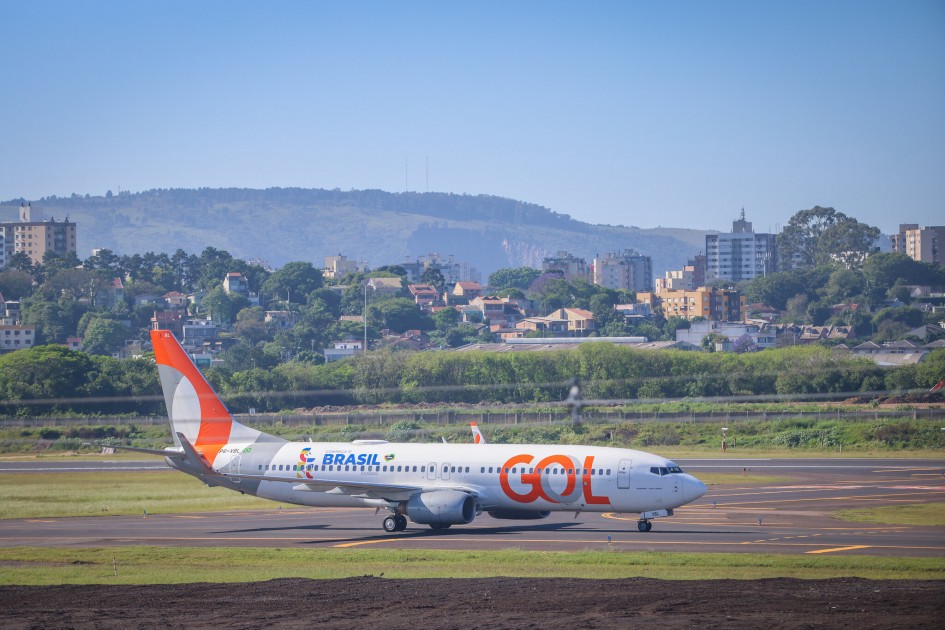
(502, 477)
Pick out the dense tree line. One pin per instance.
(50, 379)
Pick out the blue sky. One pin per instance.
(635, 113)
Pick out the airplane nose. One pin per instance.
(693, 488)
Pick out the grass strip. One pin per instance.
(912, 514)
(176, 565)
(52, 495)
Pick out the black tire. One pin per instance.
(644, 526)
(401, 522)
(390, 524)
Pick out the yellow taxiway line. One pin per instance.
(851, 548)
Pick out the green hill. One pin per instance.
(284, 224)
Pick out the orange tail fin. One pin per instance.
(193, 408)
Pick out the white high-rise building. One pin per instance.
(741, 254)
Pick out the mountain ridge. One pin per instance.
(284, 224)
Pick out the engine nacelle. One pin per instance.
(519, 515)
(441, 507)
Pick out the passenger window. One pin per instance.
(467, 468)
(514, 470)
(385, 468)
(538, 471)
(585, 472)
(453, 469)
(592, 471)
(483, 469)
(506, 471)
(347, 469)
(423, 469)
(608, 471)
(570, 471)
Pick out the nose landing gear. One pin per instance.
(644, 525)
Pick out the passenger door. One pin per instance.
(623, 473)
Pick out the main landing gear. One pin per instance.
(644, 525)
(395, 523)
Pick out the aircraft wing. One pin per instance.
(363, 489)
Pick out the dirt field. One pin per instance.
(370, 602)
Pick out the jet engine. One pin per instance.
(519, 515)
(442, 507)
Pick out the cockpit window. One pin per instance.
(666, 470)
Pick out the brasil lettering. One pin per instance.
(330, 459)
(536, 478)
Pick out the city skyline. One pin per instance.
(613, 113)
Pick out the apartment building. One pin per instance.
(453, 271)
(339, 266)
(921, 244)
(629, 271)
(762, 336)
(689, 278)
(34, 236)
(741, 254)
(570, 266)
(723, 305)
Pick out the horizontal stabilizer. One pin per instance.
(176, 453)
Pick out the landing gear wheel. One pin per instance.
(440, 525)
(390, 524)
(401, 522)
(644, 526)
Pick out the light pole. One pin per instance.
(364, 316)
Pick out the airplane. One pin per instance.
(438, 485)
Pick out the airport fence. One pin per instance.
(496, 417)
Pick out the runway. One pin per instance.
(786, 518)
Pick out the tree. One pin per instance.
(432, 275)
(848, 242)
(106, 261)
(818, 313)
(103, 336)
(797, 308)
(43, 373)
(54, 320)
(22, 262)
(295, 281)
(517, 278)
(221, 306)
(822, 235)
(843, 285)
(53, 262)
(399, 314)
(883, 270)
(15, 284)
(775, 289)
(251, 325)
(743, 344)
